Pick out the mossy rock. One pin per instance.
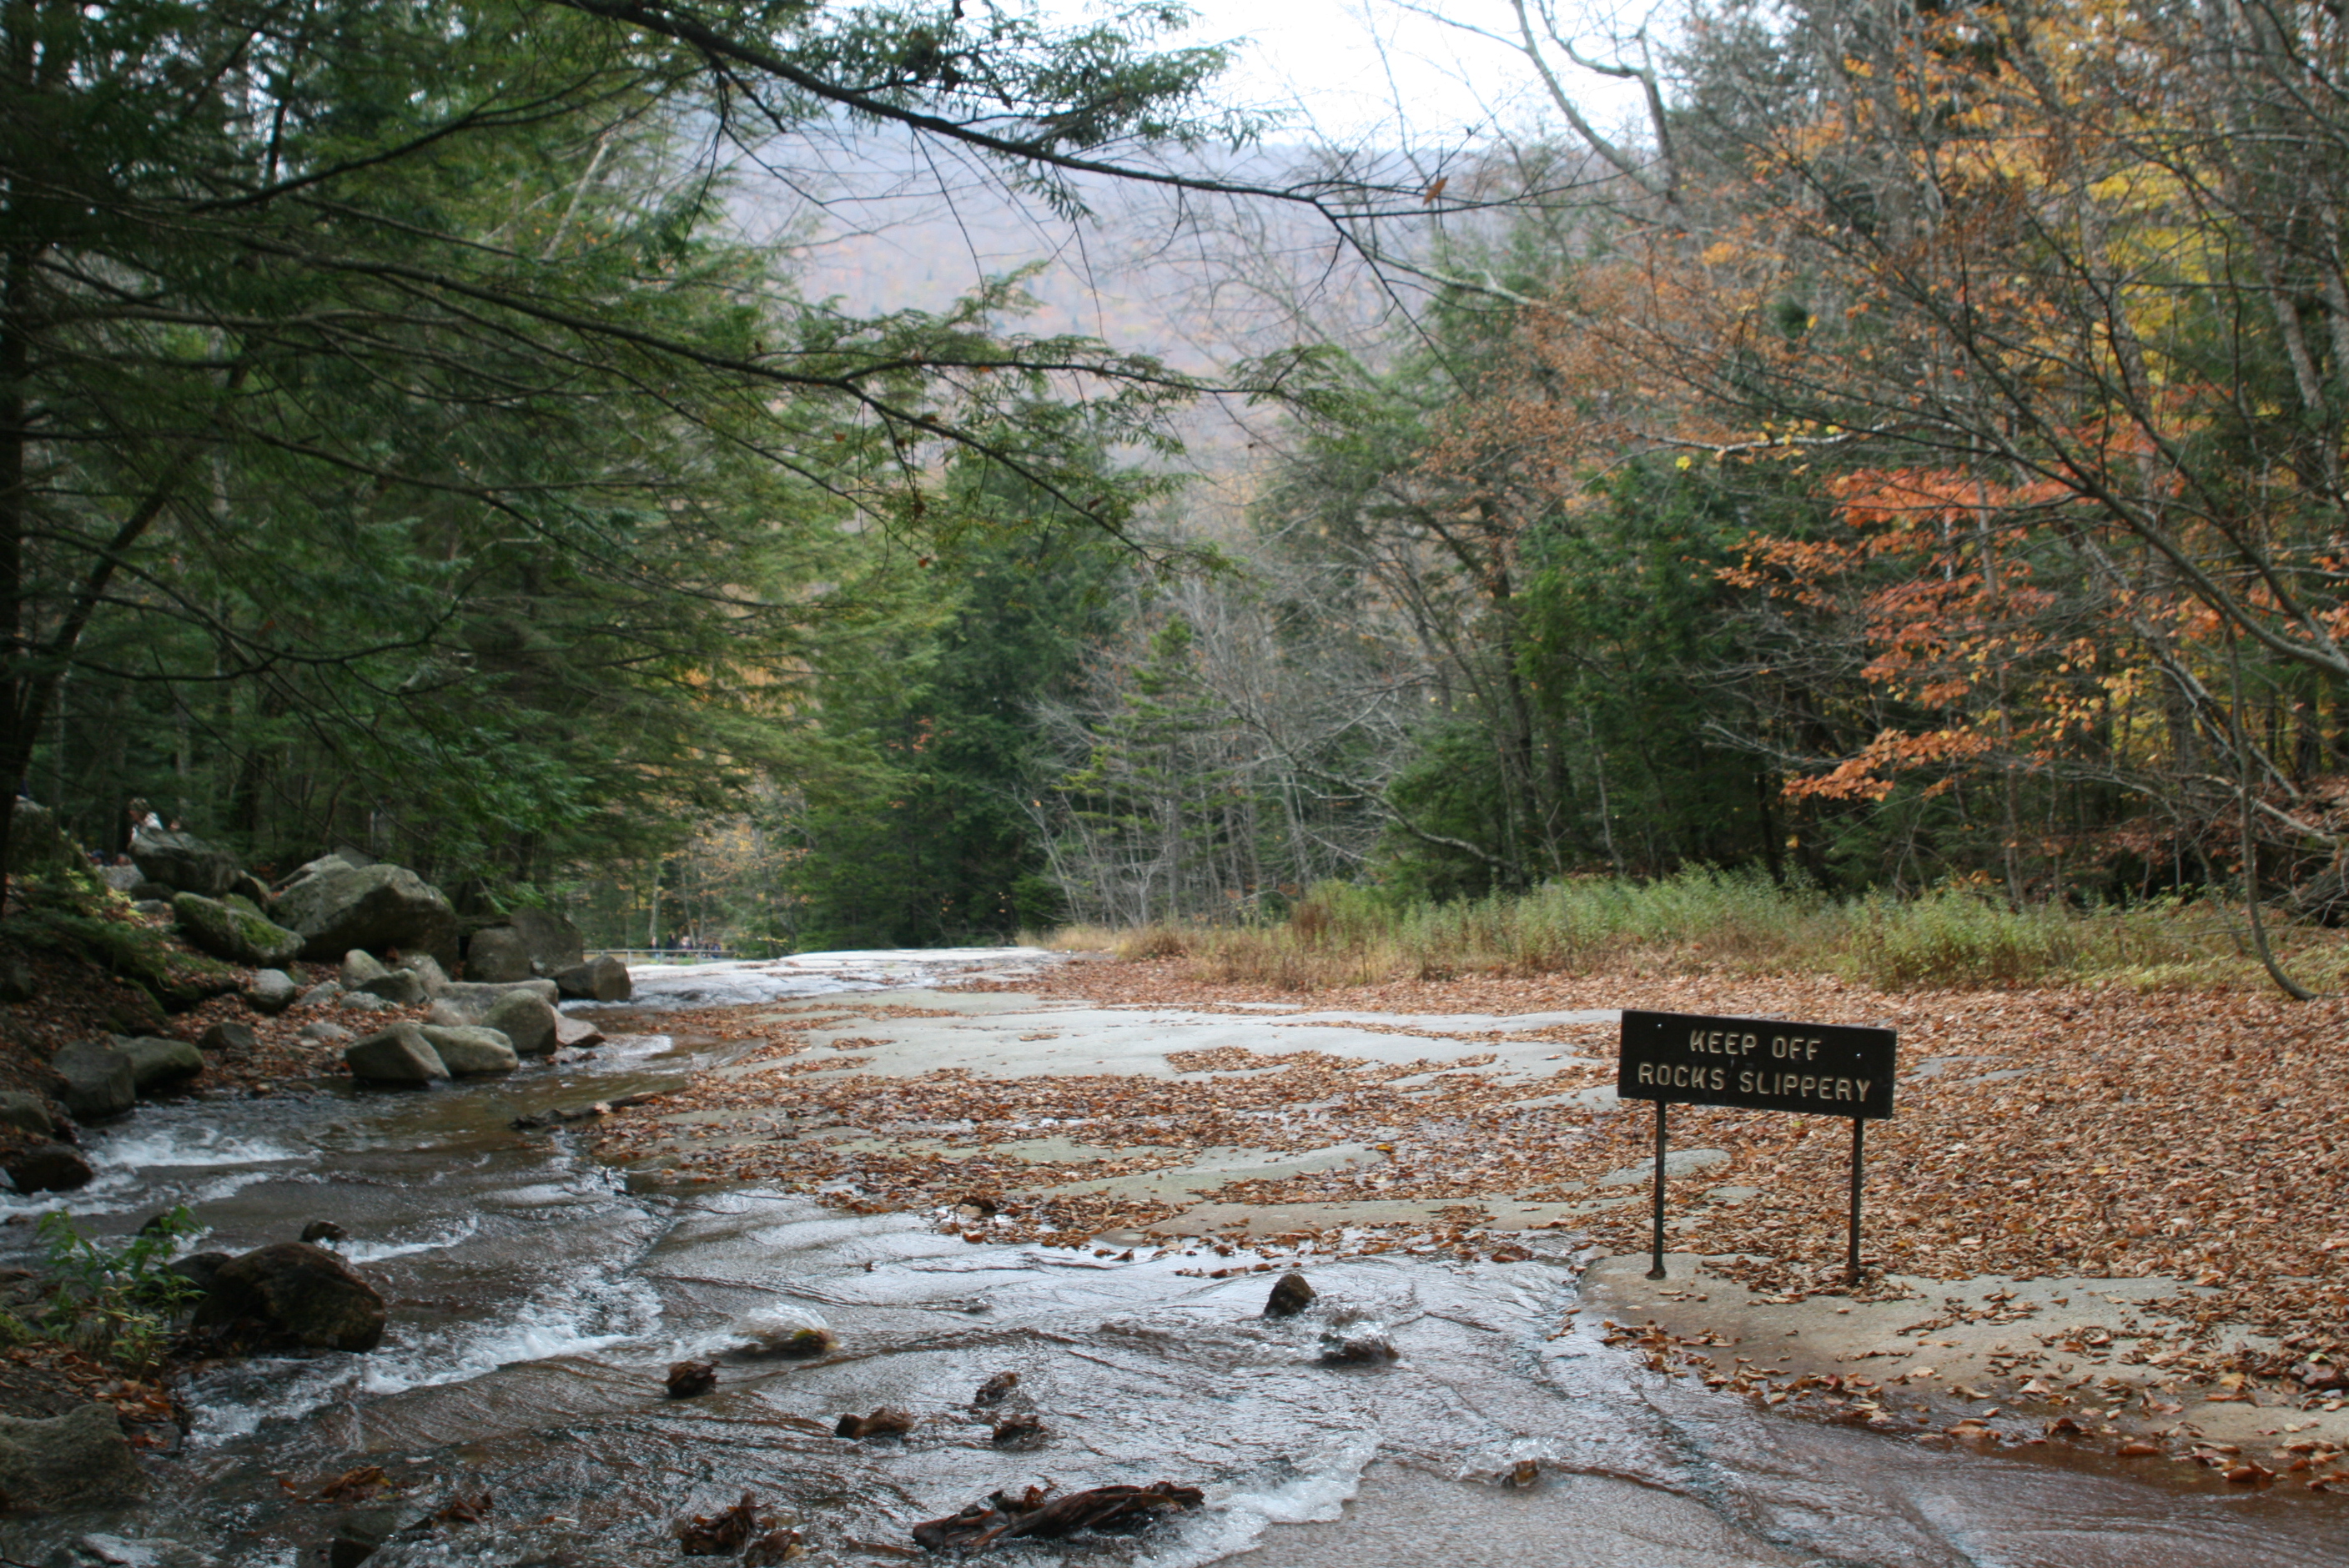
(150, 960)
(159, 1065)
(240, 936)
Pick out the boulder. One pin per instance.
(375, 908)
(241, 936)
(577, 1034)
(497, 954)
(253, 891)
(294, 1293)
(324, 1030)
(184, 863)
(44, 1165)
(99, 1079)
(272, 991)
(471, 1052)
(1290, 1296)
(158, 1064)
(428, 972)
(365, 1002)
(144, 892)
(31, 1113)
(121, 878)
(324, 993)
(322, 864)
(200, 1269)
(401, 988)
(358, 968)
(466, 1002)
(399, 1054)
(230, 1039)
(552, 941)
(527, 1020)
(604, 979)
(76, 1460)
(687, 1379)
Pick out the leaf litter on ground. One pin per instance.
(2106, 1132)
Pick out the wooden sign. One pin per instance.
(1758, 1064)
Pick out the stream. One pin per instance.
(537, 1297)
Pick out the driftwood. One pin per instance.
(559, 1116)
(1029, 1517)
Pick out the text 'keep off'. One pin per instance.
(1758, 1064)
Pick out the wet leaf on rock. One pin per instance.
(1025, 1426)
(1365, 1349)
(775, 1546)
(355, 1485)
(722, 1534)
(884, 1422)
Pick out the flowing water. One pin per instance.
(537, 1298)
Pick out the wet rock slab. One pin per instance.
(74, 1460)
(1964, 1345)
(1559, 1521)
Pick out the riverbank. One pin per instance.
(1452, 1381)
(70, 999)
(2142, 1155)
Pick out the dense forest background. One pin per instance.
(1912, 458)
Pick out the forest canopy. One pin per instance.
(1914, 456)
(398, 442)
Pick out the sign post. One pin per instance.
(1758, 1064)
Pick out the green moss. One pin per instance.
(129, 950)
(233, 930)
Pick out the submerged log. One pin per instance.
(1029, 1517)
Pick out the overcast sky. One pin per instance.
(1361, 69)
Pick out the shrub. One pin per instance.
(1703, 920)
(116, 1302)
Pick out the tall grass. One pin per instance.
(1702, 920)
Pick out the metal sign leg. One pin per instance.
(1858, 1148)
(1658, 1271)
